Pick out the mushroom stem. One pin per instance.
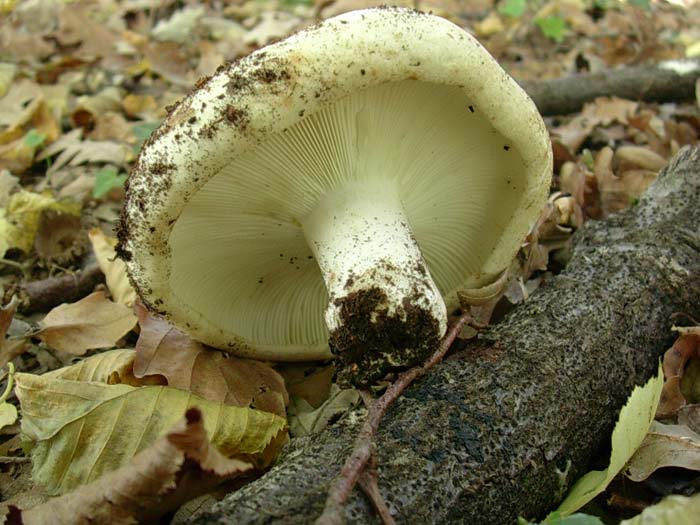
(384, 309)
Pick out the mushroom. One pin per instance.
(336, 191)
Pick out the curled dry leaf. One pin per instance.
(92, 322)
(60, 238)
(164, 350)
(602, 111)
(113, 267)
(176, 468)
(665, 446)
(618, 191)
(82, 430)
(686, 347)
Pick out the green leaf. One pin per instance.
(106, 180)
(553, 27)
(574, 519)
(631, 428)
(34, 139)
(673, 510)
(644, 4)
(294, 3)
(514, 8)
(142, 131)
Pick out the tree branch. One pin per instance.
(669, 81)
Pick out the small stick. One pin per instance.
(14, 459)
(341, 488)
(368, 484)
(41, 296)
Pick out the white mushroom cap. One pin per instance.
(226, 202)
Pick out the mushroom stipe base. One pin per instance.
(398, 340)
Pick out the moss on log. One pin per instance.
(503, 428)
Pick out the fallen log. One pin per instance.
(502, 428)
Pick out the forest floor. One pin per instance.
(84, 83)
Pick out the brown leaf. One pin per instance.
(113, 267)
(602, 111)
(665, 446)
(92, 322)
(686, 347)
(164, 350)
(60, 238)
(308, 381)
(9, 349)
(175, 469)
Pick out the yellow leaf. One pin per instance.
(82, 430)
(111, 367)
(20, 220)
(154, 482)
(113, 268)
(631, 428)
(92, 322)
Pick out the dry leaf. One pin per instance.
(19, 222)
(665, 446)
(92, 322)
(113, 268)
(176, 468)
(309, 381)
(602, 111)
(685, 348)
(179, 27)
(72, 151)
(112, 367)
(689, 416)
(8, 184)
(82, 430)
(163, 350)
(304, 420)
(8, 411)
(60, 238)
(272, 25)
(9, 349)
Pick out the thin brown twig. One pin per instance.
(14, 459)
(368, 484)
(341, 488)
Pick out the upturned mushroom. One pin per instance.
(335, 191)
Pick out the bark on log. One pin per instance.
(669, 81)
(502, 428)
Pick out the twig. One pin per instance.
(40, 296)
(341, 488)
(368, 484)
(672, 80)
(14, 459)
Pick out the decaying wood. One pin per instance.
(502, 428)
(670, 81)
